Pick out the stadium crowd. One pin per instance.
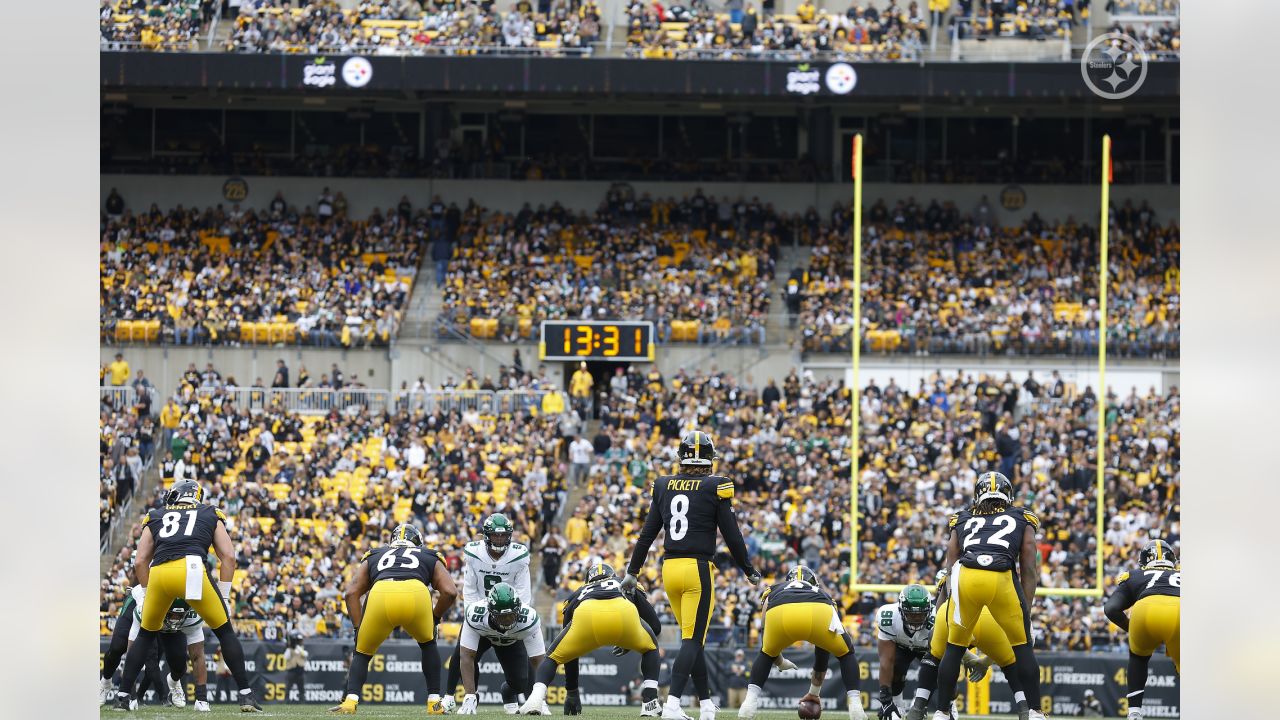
(698, 267)
(400, 27)
(786, 447)
(307, 493)
(935, 280)
(230, 276)
(169, 26)
(696, 31)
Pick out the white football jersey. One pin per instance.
(890, 627)
(477, 622)
(480, 572)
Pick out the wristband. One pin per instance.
(224, 587)
(815, 690)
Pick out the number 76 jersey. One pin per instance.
(992, 541)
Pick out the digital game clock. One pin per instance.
(596, 340)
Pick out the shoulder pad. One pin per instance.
(439, 555)
(146, 517)
(519, 547)
(221, 515)
(1122, 577)
(724, 490)
(955, 518)
(1031, 519)
(368, 553)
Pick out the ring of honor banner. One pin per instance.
(395, 676)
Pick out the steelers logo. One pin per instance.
(984, 560)
(1114, 66)
(841, 78)
(357, 71)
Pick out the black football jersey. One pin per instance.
(181, 530)
(1136, 585)
(795, 591)
(994, 541)
(689, 506)
(402, 563)
(606, 589)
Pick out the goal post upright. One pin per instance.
(1104, 227)
(855, 341)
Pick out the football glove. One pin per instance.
(139, 594)
(619, 651)
(753, 576)
(784, 664)
(629, 583)
(572, 705)
(468, 706)
(888, 710)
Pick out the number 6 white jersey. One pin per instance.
(889, 626)
(480, 572)
(527, 629)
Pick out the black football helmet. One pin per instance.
(992, 486)
(184, 491)
(600, 571)
(697, 450)
(1157, 554)
(803, 574)
(406, 535)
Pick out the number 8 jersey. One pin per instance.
(691, 508)
(992, 541)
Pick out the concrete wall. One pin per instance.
(385, 369)
(1051, 201)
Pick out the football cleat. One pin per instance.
(448, 704)
(123, 703)
(435, 707)
(202, 706)
(106, 691)
(248, 703)
(348, 706)
(707, 711)
(511, 708)
(1037, 715)
(940, 715)
(855, 709)
(177, 696)
(1135, 714)
(546, 710)
(133, 703)
(976, 666)
(652, 708)
(673, 713)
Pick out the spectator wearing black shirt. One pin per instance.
(281, 379)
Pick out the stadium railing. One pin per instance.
(124, 396)
(322, 400)
(446, 50)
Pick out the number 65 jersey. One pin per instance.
(391, 562)
(992, 541)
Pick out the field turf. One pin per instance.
(374, 710)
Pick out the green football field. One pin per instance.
(373, 710)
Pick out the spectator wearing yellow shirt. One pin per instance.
(170, 416)
(553, 402)
(119, 370)
(579, 389)
(806, 11)
(577, 531)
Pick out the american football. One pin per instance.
(618, 358)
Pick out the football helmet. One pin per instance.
(992, 486)
(184, 491)
(803, 574)
(600, 571)
(504, 606)
(497, 531)
(1157, 554)
(913, 604)
(697, 449)
(176, 616)
(406, 535)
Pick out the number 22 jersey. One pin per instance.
(992, 541)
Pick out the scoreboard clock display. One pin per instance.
(596, 340)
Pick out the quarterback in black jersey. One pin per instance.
(170, 565)
(600, 614)
(1153, 594)
(690, 507)
(396, 578)
(989, 543)
(799, 610)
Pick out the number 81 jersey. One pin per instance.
(181, 530)
(992, 541)
(402, 563)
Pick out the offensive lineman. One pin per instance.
(799, 610)
(494, 559)
(170, 565)
(508, 626)
(988, 544)
(1154, 592)
(600, 614)
(397, 578)
(689, 507)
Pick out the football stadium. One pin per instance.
(765, 358)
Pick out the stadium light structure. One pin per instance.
(856, 390)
